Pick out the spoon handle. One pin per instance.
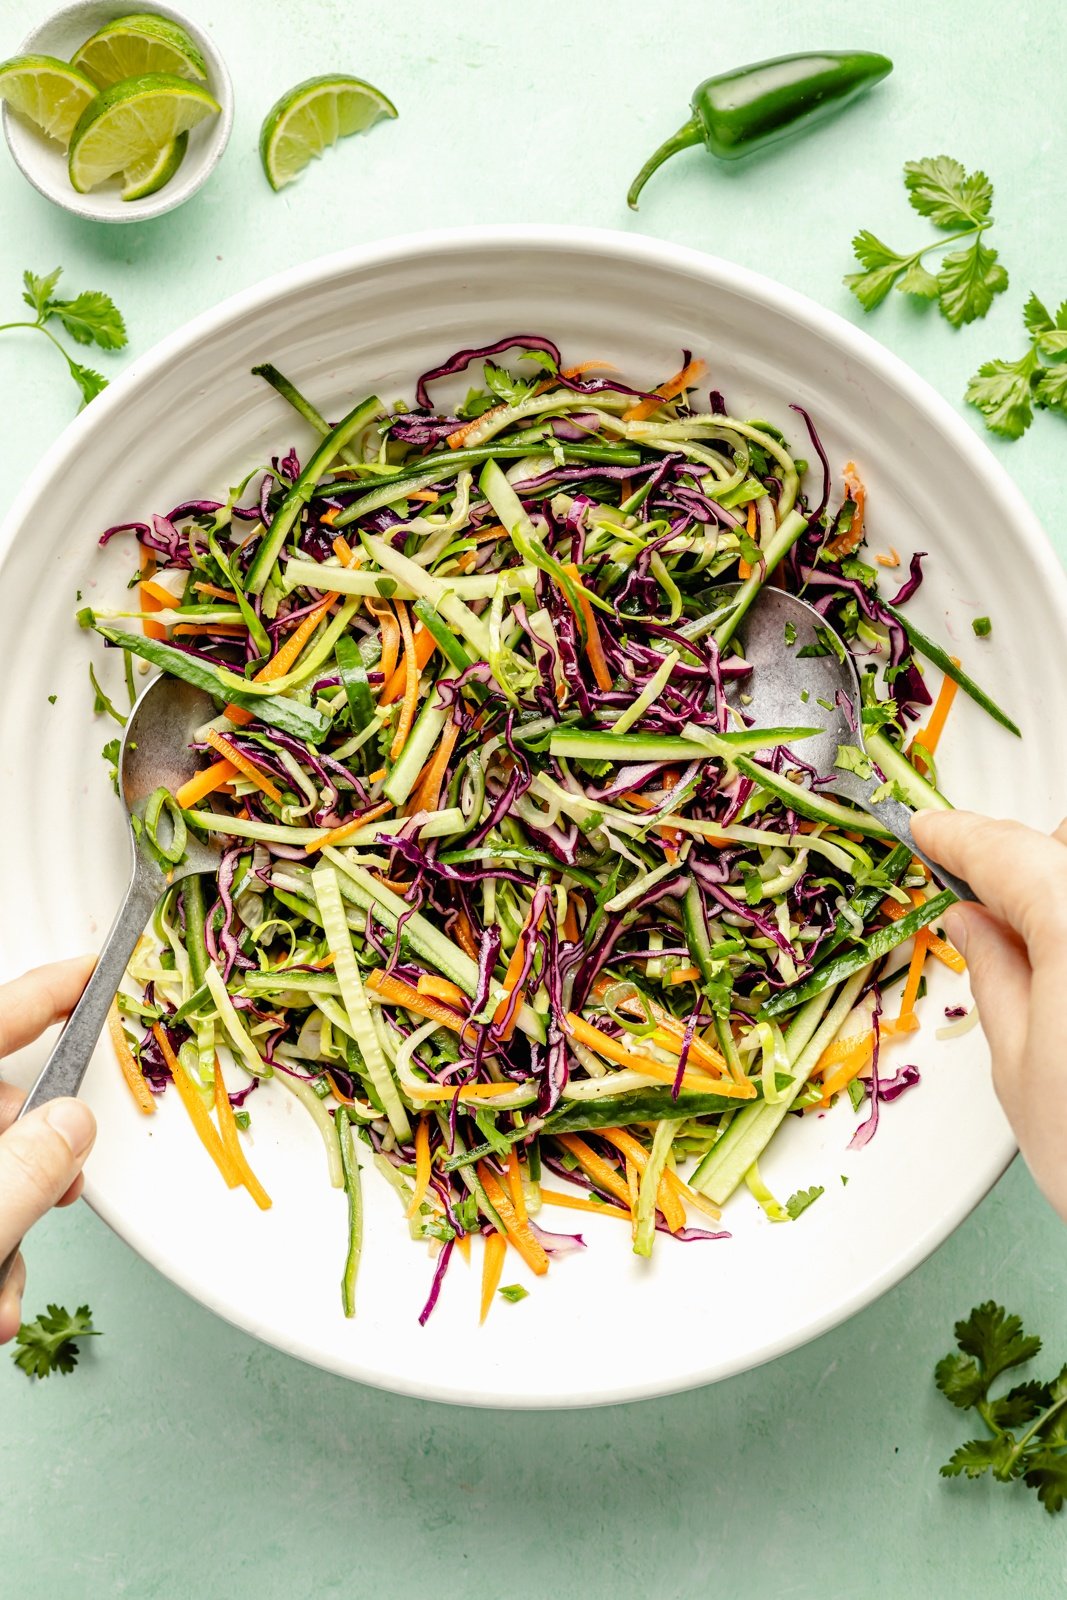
(65, 1068)
(895, 816)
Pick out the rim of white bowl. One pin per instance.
(851, 340)
(23, 141)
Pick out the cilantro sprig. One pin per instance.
(89, 318)
(1027, 1425)
(1006, 392)
(941, 190)
(50, 1344)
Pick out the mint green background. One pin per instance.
(184, 1459)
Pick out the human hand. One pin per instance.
(41, 1157)
(1015, 944)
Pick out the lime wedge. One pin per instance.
(145, 177)
(131, 122)
(131, 46)
(313, 116)
(47, 92)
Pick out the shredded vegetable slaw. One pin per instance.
(511, 897)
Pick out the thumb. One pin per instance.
(39, 1159)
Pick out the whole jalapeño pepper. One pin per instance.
(741, 111)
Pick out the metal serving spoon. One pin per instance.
(774, 697)
(155, 753)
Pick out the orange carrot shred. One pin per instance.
(131, 1070)
(573, 1202)
(852, 537)
(515, 1189)
(411, 684)
(691, 373)
(518, 1232)
(231, 1142)
(496, 1248)
(189, 1095)
(244, 765)
(422, 1164)
(425, 645)
(594, 648)
(202, 783)
(346, 829)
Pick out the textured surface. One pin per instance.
(188, 1458)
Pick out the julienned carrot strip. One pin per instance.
(595, 1167)
(160, 593)
(515, 1189)
(443, 989)
(939, 948)
(573, 1202)
(588, 366)
(670, 1032)
(411, 684)
(682, 975)
(744, 568)
(459, 435)
(398, 993)
(231, 1142)
(202, 630)
(919, 950)
(570, 928)
(929, 736)
(463, 1245)
(843, 1075)
(385, 617)
(702, 1082)
(347, 829)
(151, 630)
(286, 654)
(427, 793)
(189, 1095)
(425, 645)
(422, 1163)
(852, 537)
(245, 766)
(205, 782)
(429, 495)
(465, 935)
(466, 1091)
(496, 1248)
(519, 1233)
(593, 646)
(511, 978)
(131, 1071)
(343, 551)
(691, 373)
(666, 1199)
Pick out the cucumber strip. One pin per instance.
(648, 1193)
(354, 1192)
(285, 518)
(240, 1039)
(354, 682)
(611, 746)
(302, 405)
(873, 948)
(299, 574)
(446, 641)
(339, 938)
(941, 658)
(425, 586)
(748, 1135)
(420, 741)
(809, 804)
(303, 1092)
(524, 536)
(792, 526)
(918, 791)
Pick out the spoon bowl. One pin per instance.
(802, 671)
(155, 754)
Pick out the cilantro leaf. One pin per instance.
(1051, 390)
(92, 317)
(1020, 1405)
(37, 292)
(799, 1202)
(978, 1456)
(967, 281)
(1003, 393)
(89, 382)
(50, 1343)
(1047, 1473)
(850, 758)
(996, 1340)
(960, 1381)
(918, 281)
(1036, 317)
(941, 189)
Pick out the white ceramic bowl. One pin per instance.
(188, 419)
(44, 162)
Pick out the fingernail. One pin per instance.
(956, 931)
(74, 1123)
